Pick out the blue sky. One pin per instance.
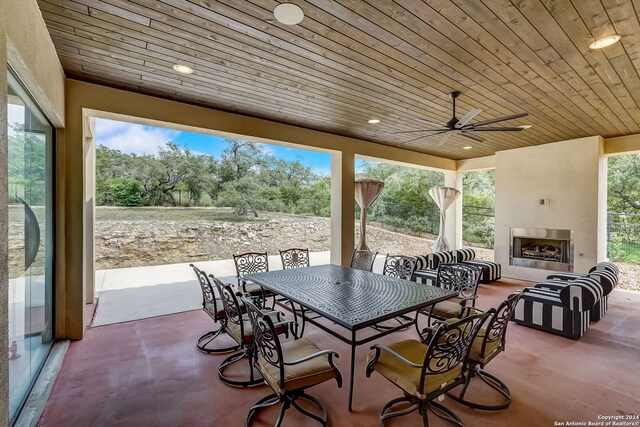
(133, 138)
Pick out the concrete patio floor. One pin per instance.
(149, 372)
(127, 294)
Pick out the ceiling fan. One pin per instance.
(463, 127)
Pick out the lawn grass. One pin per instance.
(631, 253)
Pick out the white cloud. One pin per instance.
(132, 138)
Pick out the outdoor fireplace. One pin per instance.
(543, 248)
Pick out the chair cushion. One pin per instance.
(421, 262)
(490, 270)
(305, 374)
(428, 277)
(476, 354)
(408, 377)
(466, 254)
(437, 258)
(233, 329)
(446, 310)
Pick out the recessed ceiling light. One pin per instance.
(373, 121)
(605, 41)
(288, 14)
(467, 147)
(524, 126)
(183, 69)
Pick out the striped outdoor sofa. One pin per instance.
(606, 273)
(564, 312)
(490, 270)
(427, 267)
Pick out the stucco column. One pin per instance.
(453, 230)
(89, 206)
(4, 227)
(342, 207)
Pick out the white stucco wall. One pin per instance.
(570, 175)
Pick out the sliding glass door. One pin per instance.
(30, 170)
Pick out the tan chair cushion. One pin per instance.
(476, 348)
(306, 374)
(233, 330)
(407, 377)
(447, 310)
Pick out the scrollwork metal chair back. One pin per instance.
(230, 303)
(209, 302)
(449, 346)
(265, 337)
(363, 260)
(461, 278)
(294, 258)
(399, 266)
(496, 329)
(251, 262)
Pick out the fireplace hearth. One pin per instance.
(542, 248)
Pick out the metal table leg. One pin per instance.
(353, 363)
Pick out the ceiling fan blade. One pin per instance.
(496, 129)
(473, 136)
(467, 117)
(421, 130)
(430, 123)
(500, 119)
(444, 139)
(424, 136)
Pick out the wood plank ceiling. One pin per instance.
(351, 60)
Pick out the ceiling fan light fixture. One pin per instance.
(288, 14)
(467, 147)
(183, 69)
(373, 121)
(605, 41)
(525, 126)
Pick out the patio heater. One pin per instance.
(367, 191)
(443, 197)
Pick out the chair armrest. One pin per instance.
(380, 347)
(470, 311)
(329, 353)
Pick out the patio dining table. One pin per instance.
(351, 298)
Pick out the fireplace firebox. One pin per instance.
(542, 248)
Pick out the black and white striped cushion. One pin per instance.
(606, 280)
(422, 262)
(428, 277)
(490, 270)
(437, 258)
(581, 294)
(462, 255)
(543, 309)
(605, 265)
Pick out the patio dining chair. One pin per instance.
(461, 278)
(399, 266)
(363, 260)
(294, 258)
(238, 326)
(212, 305)
(489, 342)
(427, 370)
(247, 263)
(289, 368)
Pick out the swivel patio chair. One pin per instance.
(399, 266)
(363, 260)
(489, 342)
(247, 263)
(212, 305)
(289, 368)
(462, 278)
(424, 371)
(239, 328)
(294, 258)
